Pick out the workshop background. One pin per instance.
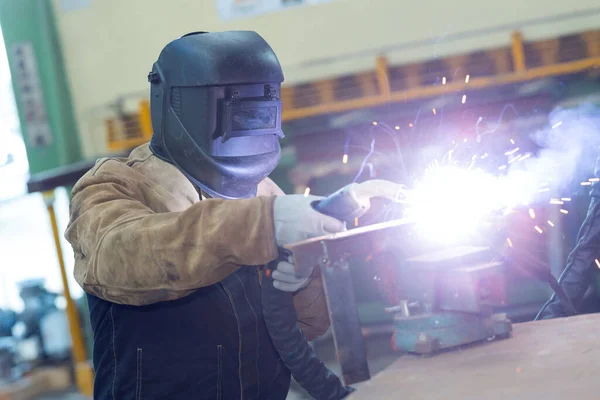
(73, 88)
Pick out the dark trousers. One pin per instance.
(211, 344)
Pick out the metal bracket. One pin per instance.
(332, 254)
(349, 342)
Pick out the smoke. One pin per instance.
(452, 199)
(567, 150)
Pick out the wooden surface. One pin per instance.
(554, 359)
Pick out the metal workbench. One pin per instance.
(545, 360)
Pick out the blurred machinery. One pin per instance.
(450, 297)
(8, 319)
(7, 359)
(42, 329)
(35, 337)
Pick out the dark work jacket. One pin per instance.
(212, 344)
(577, 276)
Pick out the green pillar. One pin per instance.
(39, 82)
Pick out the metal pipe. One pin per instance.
(518, 52)
(83, 374)
(430, 91)
(383, 79)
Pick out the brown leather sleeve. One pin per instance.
(311, 307)
(127, 253)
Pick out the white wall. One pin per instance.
(110, 45)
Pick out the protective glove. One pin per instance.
(296, 220)
(285, 278)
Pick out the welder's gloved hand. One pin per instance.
(296, 220)
(285, 278)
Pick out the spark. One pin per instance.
(586, 183)
(356, 221)
(433, 111)
(537, 228)
(556, 125)
(375, 123)
(525, 156)
(512, 141)
(465, 140)
(594, 179)
(566, 199)
(551, 223)
(544, 190)
(484, 155)
(397, 128)
(345, 159)
(511, 152)
(306, 192)
(562, 210)
(597, 263)
(513, 159)
(476, 194)
(444, 80)
(464, 99)
(410, 125)
(509, 242)
(467, 78)
(556, 201)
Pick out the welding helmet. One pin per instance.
(216, 110)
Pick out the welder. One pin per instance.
(170, 242)
(577, 276)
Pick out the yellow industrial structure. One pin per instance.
(84, 373)
(520, 61)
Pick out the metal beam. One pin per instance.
(378, 91)
(383, 79)
(431, 91)
(518, 52)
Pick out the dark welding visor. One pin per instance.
(251, 116)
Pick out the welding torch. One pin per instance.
(354, 200)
